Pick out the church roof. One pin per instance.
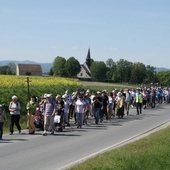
(86, 68)
(88, 54)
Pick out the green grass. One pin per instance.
(149, 153)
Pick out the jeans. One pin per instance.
(79, 118)
(96, 113)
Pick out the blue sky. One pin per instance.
(40, 30)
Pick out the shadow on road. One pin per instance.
(12, 140)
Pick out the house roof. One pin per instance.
(30, 67)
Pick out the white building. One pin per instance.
(85, 72)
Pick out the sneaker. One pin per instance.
(19, 132)
(45, 133)
(52, 132)
(11, 133)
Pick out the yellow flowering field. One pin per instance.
(7, 81)
(38, 86)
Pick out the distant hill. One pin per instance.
(45, 66)
(158, 69)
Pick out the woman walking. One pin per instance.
(14, 108)
(80, 109)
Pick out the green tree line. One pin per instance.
(122, 71)
(9, 69)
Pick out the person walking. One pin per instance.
(85, 116)
(139, 101)
(66, 111)
(152, 98)
(110, 105)
(128, 101)
(59, 112)
(120, 105)
(145, 96)
(80, 109)
(97, 104)
(31, 110)
(2, 118)
(14, 108)
(104, 112)
(49, 113)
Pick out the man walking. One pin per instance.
(139, 101)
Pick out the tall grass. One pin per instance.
(149, 153)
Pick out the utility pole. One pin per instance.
(28, 88)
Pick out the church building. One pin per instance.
(85, 72)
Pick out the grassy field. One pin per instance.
(149, 153)
(107, 86)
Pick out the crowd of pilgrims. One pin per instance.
(55, 112)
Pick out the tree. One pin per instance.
(150, 74)
(72, 66)
(138, 73)
(163, 78)
(59, 66)
(123, 70)
(12, 67)
(111, 65)
(98, 70)
(5, 70)
(51, 73)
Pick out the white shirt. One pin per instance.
(110, 99)
(13, 105)
(79, 106)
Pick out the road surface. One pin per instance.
(54, 152)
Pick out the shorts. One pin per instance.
(49, 120)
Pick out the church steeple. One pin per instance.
(88, 58)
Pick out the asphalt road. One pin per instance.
(54, 152)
